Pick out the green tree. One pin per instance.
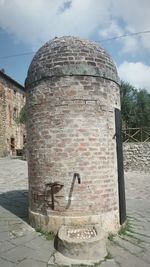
(23, 115)
(128, 104)
(135, 106)
(143, 109)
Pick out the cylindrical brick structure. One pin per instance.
(72, 91)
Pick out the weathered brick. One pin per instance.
(70, 128)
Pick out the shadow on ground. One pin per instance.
(16, 202)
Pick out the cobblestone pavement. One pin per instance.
(21, 246)
(137, 185)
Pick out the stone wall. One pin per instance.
(137, 156)
(2, 121)
(12, 99)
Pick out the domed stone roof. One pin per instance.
(71, 56)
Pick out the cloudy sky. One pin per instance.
(27, 24)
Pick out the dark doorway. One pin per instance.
(121, 186)
(12, 145)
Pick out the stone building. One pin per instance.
(12, 99)
(72, 93)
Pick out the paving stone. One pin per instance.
(146, 257)
(139, 237)
(22, 231)
(132, 248)
(5, 246)
(6, 263)
(131, 239)
(126, 259)
(109, 263)
(140, 232)
(31, 263)
(137, 185)
(25, 239)
(4, 228)
(18, 254)
(43, 255)
(43, 248)
(34, 250)
(40, 242)
(4, 236)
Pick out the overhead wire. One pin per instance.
(125, 35)
(17, 55)
(103, 40)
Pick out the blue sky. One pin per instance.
(26, 25)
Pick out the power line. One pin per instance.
(17, 55)
(103, 40)
(124, 35)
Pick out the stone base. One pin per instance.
(60, 260)
(109, 222)
(85, 242)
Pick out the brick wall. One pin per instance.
(71, 126)
(72, 92)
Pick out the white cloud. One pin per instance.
(137, 73)
(36, 21)
(113, 30)
(130, 44)
(135, 17)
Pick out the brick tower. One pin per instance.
(72, 92)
